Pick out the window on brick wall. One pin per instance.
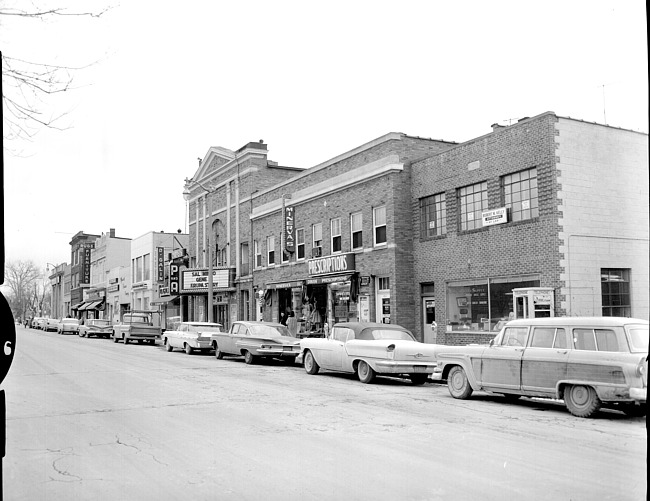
(245, 260)
(258, 254)
(300, 243)
(317, 240)
(335, 228)
(472, 200)
(615, 289)
(146, 265)
(356, 228)
(270, 250)
(520, 194)
(433, 216)
(379, 224)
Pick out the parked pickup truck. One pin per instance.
(136, 325)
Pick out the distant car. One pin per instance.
(254, 340)
(369, 349)
(95, 327)
(33, 322)
(40, 323)
(190, 336)
(587, 362)
(50, 324)
(70, 325)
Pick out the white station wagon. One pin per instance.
(588, 362)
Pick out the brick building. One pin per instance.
(547, 202)
(410, 230)
(347, 252)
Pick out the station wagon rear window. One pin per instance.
(600, 339)
(638, 338)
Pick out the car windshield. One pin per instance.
(269, 330)
(204, 328)
(386, 334)
(100, 323)
(638, 338)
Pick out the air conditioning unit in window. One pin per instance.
(317, 252)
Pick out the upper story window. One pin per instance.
(270, 249)
(335, 226)
(356, 230)
(317, 239)
(138, 269)
(433, 216)
(472, 200)
(615, 289)
(300, 243)
(146, 266)
(258, 254)
(245, 258)
(520, 194)
(379, 225)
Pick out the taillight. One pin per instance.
(390, 351)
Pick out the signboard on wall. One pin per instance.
(160, 264)
(496, 216)
(336, 263)
(85, 261)
(196, 280)
(174, 279)
(289, 229)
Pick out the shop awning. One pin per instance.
(285, 285)
(94, 305)
(329, 279)
(164, 300)
(76, 306)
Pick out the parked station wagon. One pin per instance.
(587, 362)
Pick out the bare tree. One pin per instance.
(23, 278)
(27, 85)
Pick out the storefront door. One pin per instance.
(383, 300)
(428, 317)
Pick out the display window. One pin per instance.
(483, 304)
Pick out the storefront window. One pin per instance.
(484, 304)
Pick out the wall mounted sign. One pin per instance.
(336, 263)
(160, 264)
(196, 280)
(289, 229)
(496, 216)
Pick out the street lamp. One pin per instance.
(186, 196)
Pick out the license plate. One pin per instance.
(420, 368)
(287, 348)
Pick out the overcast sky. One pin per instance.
(312, 79)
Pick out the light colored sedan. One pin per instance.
(70, 325)
(95, 327)
(368, 349)
(256, 340)
(190, 336)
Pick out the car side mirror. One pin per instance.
(492, 342)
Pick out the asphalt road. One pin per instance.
(88, 419)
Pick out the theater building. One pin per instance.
(553, 204)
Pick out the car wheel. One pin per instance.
(168, 346)
(217, 352)
(188, 349)
(249, 358)
(114, 338)
(365, 372)
(581, 401)
(311, 366)
(458, 383)
(126, 340)
(418, 379)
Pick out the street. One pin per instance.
(88, 419)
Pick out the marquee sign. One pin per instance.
(196, 280)
(336, 263)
